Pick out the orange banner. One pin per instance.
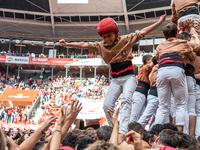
(19, 95)
(2, 58)
(39, 61)
(61, 61)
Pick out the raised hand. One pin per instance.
(162, 18)
(49, 122)
(190, 22)
(62, 42)
(135, 139)
(114, 117)
(181, 24)
(74, 111)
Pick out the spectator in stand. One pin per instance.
(10, 110)
(17, 53)
(68, 55)
(13, 53)
(9, 52)
(28, 54)
(92, 55)
(30, 82)
(3, 52)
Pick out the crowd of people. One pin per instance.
(166, 91)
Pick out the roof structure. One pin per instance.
(48, 19)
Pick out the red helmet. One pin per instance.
(107, 25)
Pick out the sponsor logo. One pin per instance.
(40, 59)
(9, 58)
(20, 95)
(76, 60)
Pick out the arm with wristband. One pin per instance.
(194, 42)
(30, 142)
(56, 138)
(69, 118)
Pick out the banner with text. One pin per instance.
(17, 60)
(92, 109)
(39, 61)
(2, 58)
(87, 62)
(61, 61)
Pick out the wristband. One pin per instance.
(42, 131)
(181, 29)
(191, 26)
(65, 45)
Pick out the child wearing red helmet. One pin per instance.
(116, 51)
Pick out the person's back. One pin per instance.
(172, 55)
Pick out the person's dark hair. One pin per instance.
(84, 132)
(102, 145)
(184, 35)
(170, 126)
(104, 133)
(157, 128)
(188, 142)
(76, 131)
(17, 136)
(169, 138)
(154, 60)
(39, 145)
(170, 30)
(42, 138)
(70, 140)
(135, 126)
(21, 139)
(83, 143)
(149, 135)
(91, 134)
(145, 58)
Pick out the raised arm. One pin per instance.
(152, 27)
(174, 16)
(69, 119)
(56, 138)
(78, 45)
(30, 142)
(194, 42)
(114, 121)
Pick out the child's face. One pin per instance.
(150, 60)
(109, 38)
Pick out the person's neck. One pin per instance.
(159, 146)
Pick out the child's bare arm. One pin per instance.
(152, 27)
(78, 45)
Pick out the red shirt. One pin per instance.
(10, 111)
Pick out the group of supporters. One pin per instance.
(167, 88)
